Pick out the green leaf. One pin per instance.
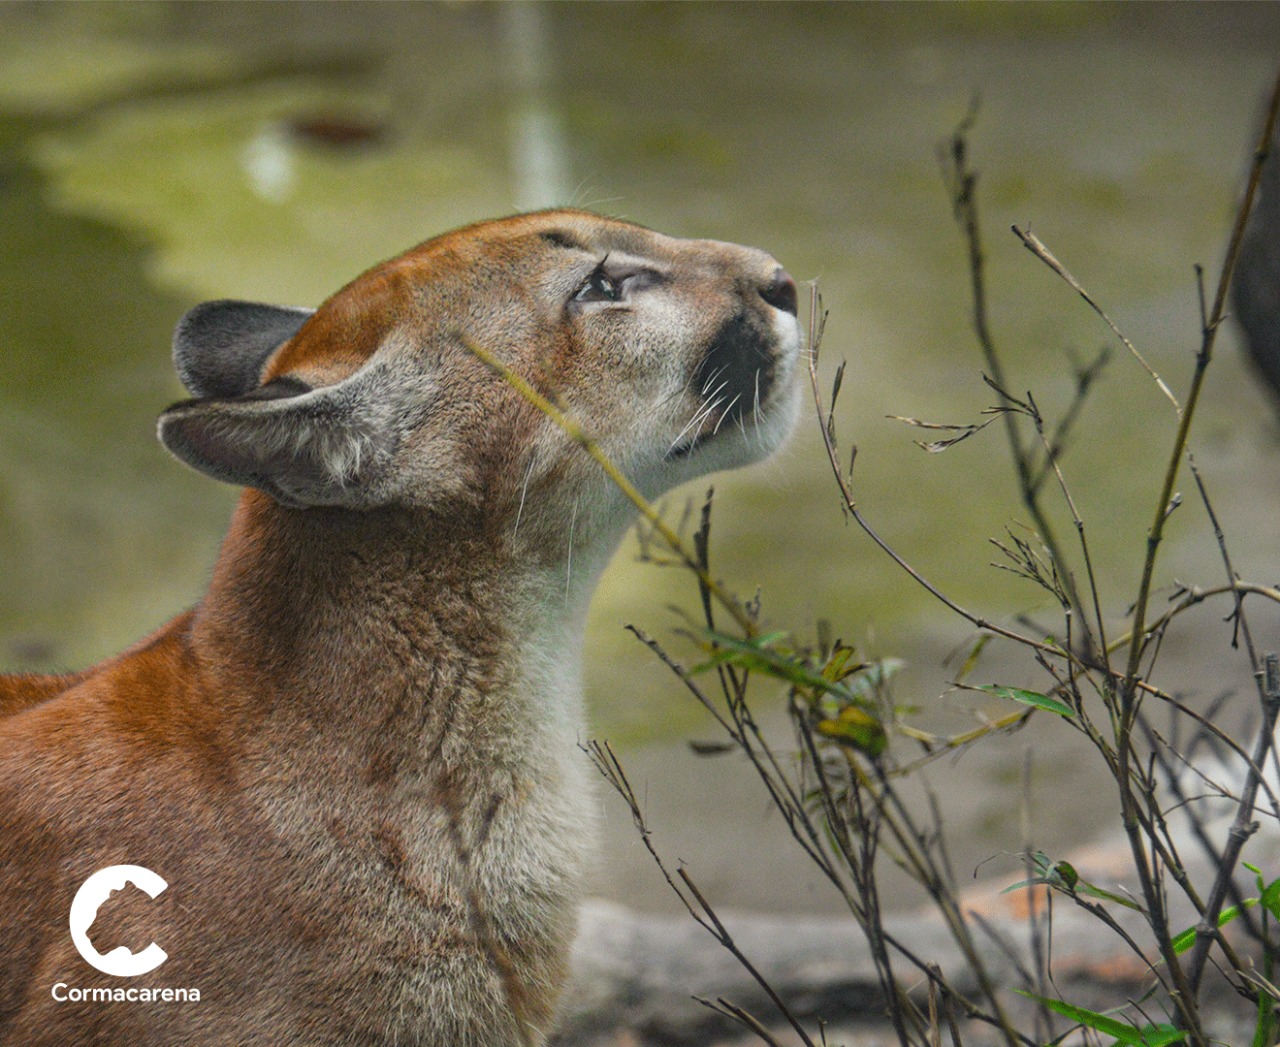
(858, 729)
(838, 667)
(972, 660)
(1124, 1032)
(1271, 898)
(769, 639)
(1040, 701)
(1062, 876)
(1086, 888)
(757, 655)
(1068, 873)
(1161, 1035)
(1047, 873)
(1182, 942)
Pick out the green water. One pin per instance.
(145, 164)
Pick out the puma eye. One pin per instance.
(599, 287)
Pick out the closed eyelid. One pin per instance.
(642, 277)
(626, 263)
(623, 269)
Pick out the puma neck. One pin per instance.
(447, 641)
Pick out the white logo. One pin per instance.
(84, 910)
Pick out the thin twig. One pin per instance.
(1033, 244)
(964, 201)
(723, 1007)
(607, 763)
(851, 506)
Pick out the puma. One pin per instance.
(355, 762)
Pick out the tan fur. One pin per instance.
(355, 761)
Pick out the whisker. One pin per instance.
(697, 419)
(725, 414)
(680, 436)
(710, 409)
(711, 378)
(716, 391)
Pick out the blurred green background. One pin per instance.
(155, 155)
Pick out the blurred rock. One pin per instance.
(635, 974)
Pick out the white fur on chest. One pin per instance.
(542, 829)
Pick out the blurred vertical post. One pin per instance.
(1256, 287)
(537, 141)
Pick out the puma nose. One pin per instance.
(780, 292)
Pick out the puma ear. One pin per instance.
(303, 446)
(220, 348)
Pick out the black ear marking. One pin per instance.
(220, 347)
(278, 389)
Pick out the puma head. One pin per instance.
(678, 357)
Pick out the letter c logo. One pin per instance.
(84, 910)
